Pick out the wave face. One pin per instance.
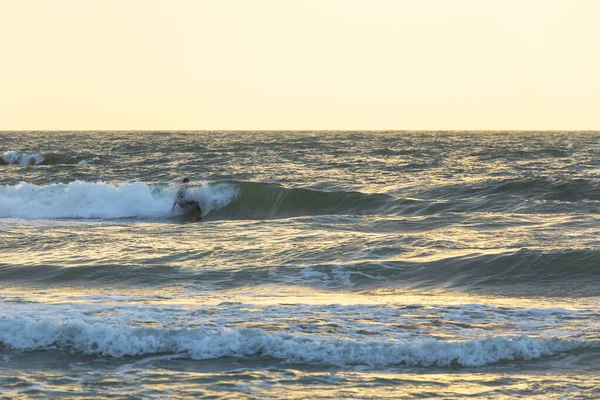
(267, 201)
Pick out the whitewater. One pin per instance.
(323, 265)
(104, 200)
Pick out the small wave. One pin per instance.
(18, 158)
(523, 154)
(522, 272)
(61, 159)
(389, 152)
(23, 159)
(200, 344)
(573, 273)
(541, 188)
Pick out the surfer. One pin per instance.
(181, 201)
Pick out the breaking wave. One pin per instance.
(210, 343)
(226, 200)
(23, 159)
(18, 158)
(256, 200)
(101, 200)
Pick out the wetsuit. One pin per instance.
(182, 202)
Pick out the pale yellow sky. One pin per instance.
(302, 64)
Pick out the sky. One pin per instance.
(299, 64)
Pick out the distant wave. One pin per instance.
(18, 158)
(532, 153)
(22, 159)
(209, 343)
(541, 188)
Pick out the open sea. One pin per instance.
(325, 265)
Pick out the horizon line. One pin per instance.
(300, 130)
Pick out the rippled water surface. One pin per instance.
(324, 264)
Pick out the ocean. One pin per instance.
(325, 265)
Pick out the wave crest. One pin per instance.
(18, 158)
(210, 343)
(223, 200)
(100, 200)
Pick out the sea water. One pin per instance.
(324, 265)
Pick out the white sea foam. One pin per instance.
(18, 158)
(101, 200)
(213, 197)
(205, 343)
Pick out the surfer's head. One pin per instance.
(186, 180)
